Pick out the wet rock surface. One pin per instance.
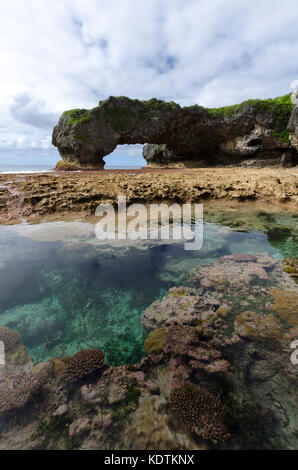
(37, 197)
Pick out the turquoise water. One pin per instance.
(63, 290)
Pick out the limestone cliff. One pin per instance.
(257, 132)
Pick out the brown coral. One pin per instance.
(186, 341)
(84, 363)
(257, 328)
(156, 341)
(201, 411)
(16, 388)
(286, 305)
(290, 266)
(9, 337)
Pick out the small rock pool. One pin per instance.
(63, 290)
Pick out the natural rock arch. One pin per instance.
(186, 136)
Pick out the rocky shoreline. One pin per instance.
(37, 196)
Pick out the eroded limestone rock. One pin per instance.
(254, 131)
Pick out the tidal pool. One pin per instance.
(63, 290)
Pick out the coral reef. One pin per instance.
(186, 343)
(84, 363)
(227, 330)
(291, 267)
(10, 338)
(156, 341)
(286, 305)
(15, 351)
(153, 429)
(16, 388)
(179, 306)
(201, 411)
(257, 328)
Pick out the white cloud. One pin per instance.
(57, 55)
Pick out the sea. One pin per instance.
(15, 169)
(11, 169)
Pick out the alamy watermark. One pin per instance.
(294, 355)
(151, 222)
(2, 354)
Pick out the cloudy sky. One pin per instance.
(62, 54)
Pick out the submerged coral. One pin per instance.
(257, 328)
(291, 267)
(84, 363)
(16, 388)
(152, 428)
(286, 305)
(10, 338)
(156, 341)
(200, 410)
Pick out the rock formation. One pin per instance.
(255, 132)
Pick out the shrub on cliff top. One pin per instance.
(84, 363)
(281, 106)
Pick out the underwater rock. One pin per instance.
(81, 425)
(44, 371)
(220, 291)
(153, 429)
(112, 385)
(9, 338)
(230, 272)
(61, 410)
(103, 421)
(34, 321)
(257, 328)
(15, 351)
(179, 306)
(59, 369)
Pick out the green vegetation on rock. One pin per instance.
(281, 106)
(119, 118)
(78, 116)
(284, 136)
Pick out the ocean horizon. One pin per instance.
(14, 169)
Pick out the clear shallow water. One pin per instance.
(63, 290)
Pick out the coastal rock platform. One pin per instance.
(24, 197)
